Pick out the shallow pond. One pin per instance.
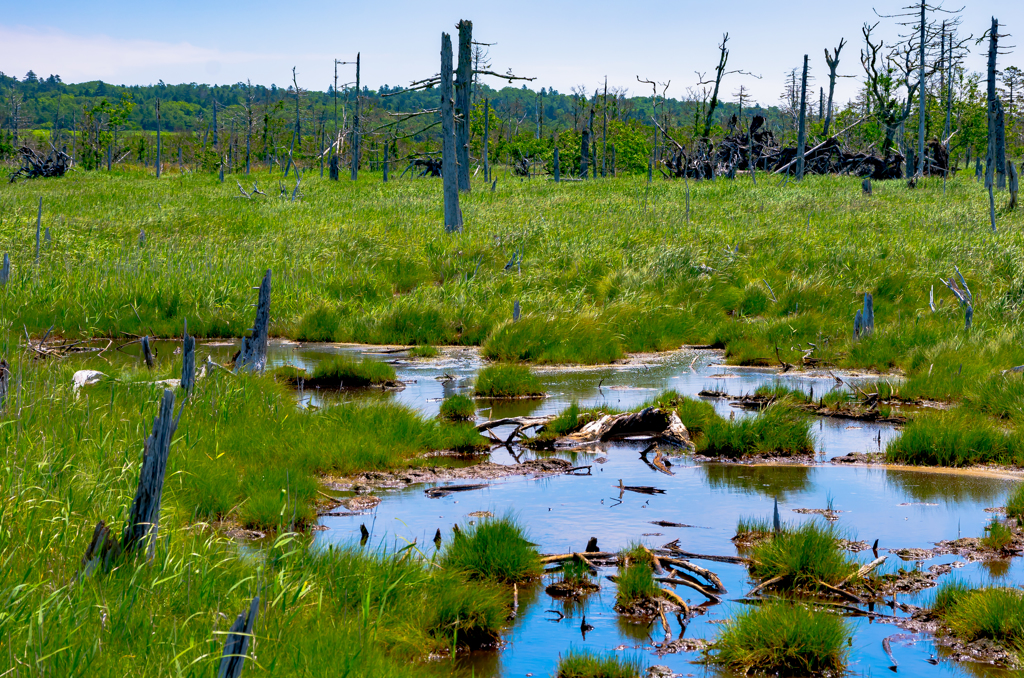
(900, 507)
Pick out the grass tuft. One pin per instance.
(635, 580)
(424, 351)
(457, 408)
(495, 549)
(1015, 504)
(997, 535)
(776, 431)
(971, 614)
(783, 639)
(343, 371)
(803, 556)
(507, 381)
(587, 664)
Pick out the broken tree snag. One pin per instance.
(463, 81)
(5, 381)
(801, 144)
(355, 127)
(556, 168)
(100, 552)
(144, 517)
(253, 355)
(39, 222)
(147, 352)
(963, 295)
(33, 164)
(188, 361)
(1011, 170)
(449, 165)
(584, 152)
(865, 186)
(236, 645)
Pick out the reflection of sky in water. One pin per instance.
(900, 508)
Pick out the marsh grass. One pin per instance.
(343, 371)
(425, 351)
(754, 529)
(495, 549)
(784, 639)
(635, 579)
(587, 664)
(695, 414)
(994, 613)
(575, 571)
(457, 408)
(780, 391)
(997, 535)
(1015, 504)
(777, 430)
(803, 556)
(955, 437)
(507, 381)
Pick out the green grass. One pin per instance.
(993, 613)
(780, 391)
(1015, 504)
(783, 639)
(777, 430)
(586, 664)
(495, 549)
(423, 352)
(754, 528)
(507, 381)
(457, 408)
(343, 371)
(997, 535)
(803, 556)
(695, 414)
(575, 571)
(956, 438)
(635, 579)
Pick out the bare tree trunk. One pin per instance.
(252, 357)
(355, 127)
(593, 146)
(387, 147)
(801, 142)
(833, 65)
(449, 165)
(1000, 146)
(719, 72)
(990, 155)
(487, 125)
(604, 129)
(584, 152)
(922, 96)
(463, 79)
(158, 139)
(557, 172)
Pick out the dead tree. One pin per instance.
(990, 157)
(801, 143)
(487, 125)
(5, 271)
(463, 78)
(963, 295)
(355, 126)
(252, 357)
(833, 65)
(188, 361)
(158, 139)
(584, 152)
(5, 380)
(236, 645)
(886, 72)
(449, 170)
(34, 164)
(144, 516)
(723, 59)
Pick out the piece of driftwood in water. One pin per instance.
(435, 492)
(144, 516)
(253, 355)
(715, 583)
(34, 164)
(642, 489)
(236, 645)
(691, 583)
(703, 556)
(651, 421)
(188, 361)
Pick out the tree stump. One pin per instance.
(236, 645)
(253, 355)
(188, 361)
(144, 517)
(147, 352)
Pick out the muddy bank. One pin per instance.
(435, 474)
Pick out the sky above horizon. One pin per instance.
(141, 43)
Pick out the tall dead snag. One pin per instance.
(1000, 152)
(833, 65)
(253, 355)
(158, 139)
(584, 152)
(556, 168)
(463, 78)
(236, 645)
(487, 125)
(801, 143)
(990, 157)
(144, 517)
(449, 169)
(39, 223)
(355, 127)
(723, 59)
(1011, 169)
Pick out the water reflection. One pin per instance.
(925, 486)
(768, 481)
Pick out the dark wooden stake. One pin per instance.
(253, 355)
(188, 361)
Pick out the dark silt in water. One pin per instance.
(902, 508)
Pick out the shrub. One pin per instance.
(586, 664)
(784, 639)
(507, 381)
(803, 557)
(457, 408)
(495, 549)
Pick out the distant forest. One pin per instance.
(207, 126)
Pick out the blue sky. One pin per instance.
(562, 44)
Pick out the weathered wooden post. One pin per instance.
(39, 223)
(144, 516)
(252, 357)
(236, 645)
(1014, 183)
(188, 361)
(355, 126)
(463, 81)
(387, 147)
(865, 186)
(801, 143)
(555, 159)
(5, 379)
(584, 152)
(158, 148)
(449, 164)
(515, 311)
(487, 124)
(5, 271)
(147, 352)
(869, 314)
